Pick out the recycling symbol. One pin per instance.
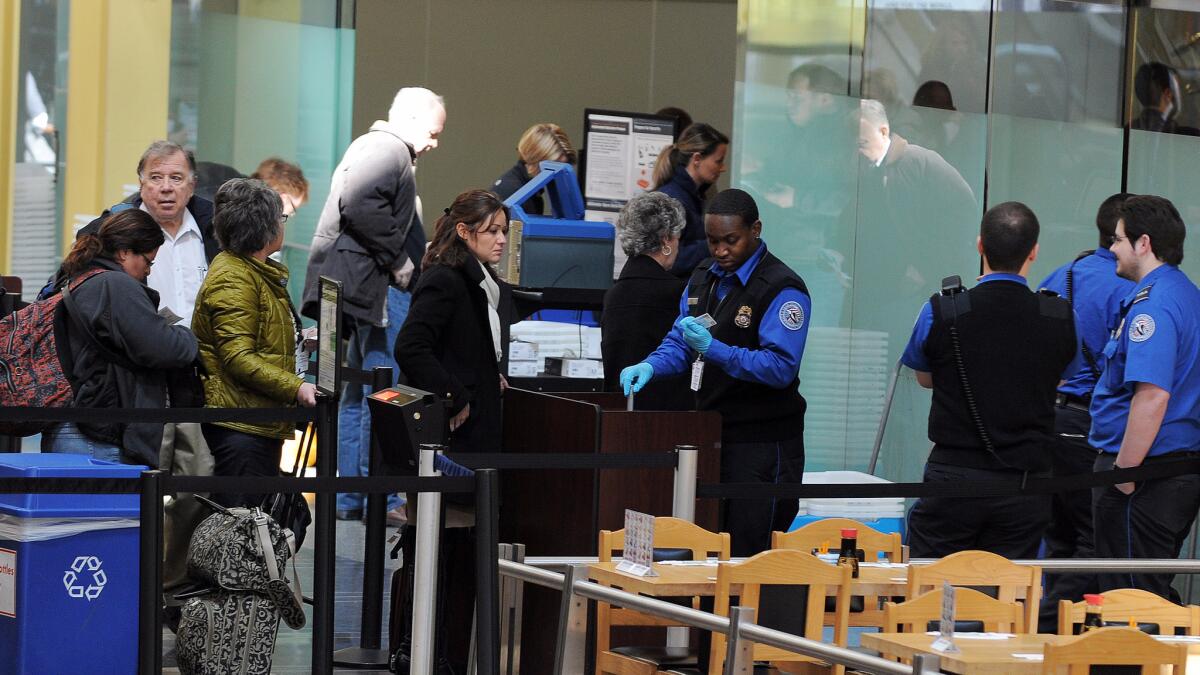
(85, 579)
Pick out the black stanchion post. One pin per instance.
(150, 581)
(368, 653)
(324, 546)
(487, 571)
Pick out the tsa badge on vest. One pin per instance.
(791, 315)
(742, 320)
(1141, 328)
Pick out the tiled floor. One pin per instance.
(293, 648)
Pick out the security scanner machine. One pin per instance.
(402, 419)
(562, 251)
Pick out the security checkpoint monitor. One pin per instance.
(402, 419)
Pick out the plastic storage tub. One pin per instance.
(68, 571)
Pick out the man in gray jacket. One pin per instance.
(367, 232)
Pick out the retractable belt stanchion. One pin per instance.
(429, 509)
(325, 542)
(684, 507)
(487, 572)
(150, 591)
(368, 653)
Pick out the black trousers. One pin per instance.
(1150, 523)
(1007, 526)
(1069, 534)
(237, 453)
(750, 522)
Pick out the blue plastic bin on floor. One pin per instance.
(885, 525)
(68, 604)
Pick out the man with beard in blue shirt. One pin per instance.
(1146, 405)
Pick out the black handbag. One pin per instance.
(289, 509)
(185, 386)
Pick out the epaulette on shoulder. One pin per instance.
(1143, 294)
(1051, 305)
(1047, 292)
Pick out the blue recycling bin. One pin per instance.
(68, 571)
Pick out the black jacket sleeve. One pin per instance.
(435, 300)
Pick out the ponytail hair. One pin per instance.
(698, 138)
(472, 208)
(129, 230)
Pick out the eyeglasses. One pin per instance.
(1116, 238)
(284, 218)
(148, 259)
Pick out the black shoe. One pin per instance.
(349, 514)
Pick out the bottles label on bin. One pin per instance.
(85, 578)
(8, 582)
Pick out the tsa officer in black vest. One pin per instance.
(1146, 406)
(745, 365)
(1012, 346)
(1090, 283)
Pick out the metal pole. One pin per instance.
(368, 653)
(514, 641)
(325, 540)
(570, 652)
(883, 419)
(926, 664)
(487, 571)
(429, 508)
(687, 459)
(150, 600)
(739, 652)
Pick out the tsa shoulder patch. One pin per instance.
(1141, 328)
(791, 315)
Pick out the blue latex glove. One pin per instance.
(635, 377)
(696, 336)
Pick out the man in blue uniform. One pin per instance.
(999, 425)
(1146, 406)
(745, 365)
(1090, 283)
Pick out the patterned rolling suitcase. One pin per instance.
(225, 632)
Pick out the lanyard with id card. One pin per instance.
(698, 365)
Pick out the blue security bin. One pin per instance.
(68, 571)
(884, 525)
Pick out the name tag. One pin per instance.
(697, 374)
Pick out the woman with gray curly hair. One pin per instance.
(644, 301)
(248, 330)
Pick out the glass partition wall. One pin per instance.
(1048, 102)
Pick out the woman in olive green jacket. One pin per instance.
(247, 330)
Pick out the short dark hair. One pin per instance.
(734, 202)
(1107, 216)
(247, 214)
(1157, 217)
(1150, 81)
(1009, 231)
(160, 149)
(934, 94)
(820, 78)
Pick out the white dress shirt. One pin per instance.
(179, 269)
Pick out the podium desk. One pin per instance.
(560, 512)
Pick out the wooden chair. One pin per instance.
(914, 615)
(784, 567)
(1124, 604)
(1114, 646)
(980, 568)
(668, 533)
(871, 541)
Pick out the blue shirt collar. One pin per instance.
(1147, 280)
(747, 269)
(1003, 276)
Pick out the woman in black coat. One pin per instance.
(453, 339)
(642, 304)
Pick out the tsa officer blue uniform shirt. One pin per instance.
(1096, 294)
(1157, 341)
(781, 337)
(914, 353)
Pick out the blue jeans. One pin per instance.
(370, 347)
(67, 438)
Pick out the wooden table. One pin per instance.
(980, 657)
(681, 580)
